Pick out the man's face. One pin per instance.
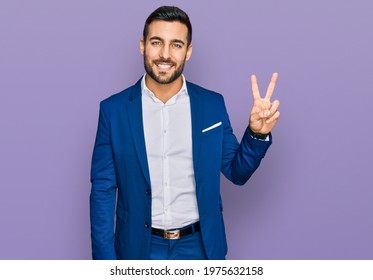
(165, 50)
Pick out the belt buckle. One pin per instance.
(173, 234)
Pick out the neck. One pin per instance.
(164, 92)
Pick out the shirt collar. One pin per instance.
(146, 90)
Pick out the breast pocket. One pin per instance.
(213, 129)
(212, 142)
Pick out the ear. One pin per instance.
(142, 46)
(189, 52)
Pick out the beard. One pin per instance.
(160, 78)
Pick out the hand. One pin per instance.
(264, 114)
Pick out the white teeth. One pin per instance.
(164, 66)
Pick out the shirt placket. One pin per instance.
(166, 167)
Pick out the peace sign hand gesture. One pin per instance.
(264, 114)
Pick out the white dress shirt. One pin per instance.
(168, 139)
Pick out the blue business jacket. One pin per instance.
(120, 175)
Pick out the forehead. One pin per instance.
(168, 30)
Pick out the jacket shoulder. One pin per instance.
(203, 91)
(214, 99)
(121, 97)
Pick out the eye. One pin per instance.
(177, 45)
(155, 43)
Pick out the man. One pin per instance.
(160, 147)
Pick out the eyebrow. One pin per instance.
(174, 41)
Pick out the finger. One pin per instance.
(261, 114)
(271, 86)
(274, 117)
(274, 106)
(254, 87)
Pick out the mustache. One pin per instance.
(167, 61)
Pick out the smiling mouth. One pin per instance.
(164, 66)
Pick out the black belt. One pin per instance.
(178, 233)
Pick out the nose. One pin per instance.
(165, 52)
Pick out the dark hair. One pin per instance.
(169, 13)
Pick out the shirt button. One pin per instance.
(148, 192)
(165, 131)
(147, 225)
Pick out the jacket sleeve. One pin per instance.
(240, 160)
(103, 193)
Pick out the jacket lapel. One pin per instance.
(137, 128)
(196, 107)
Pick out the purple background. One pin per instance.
(312, 196)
